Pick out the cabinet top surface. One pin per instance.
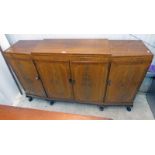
(23, 46)
(81, 46)
(73, 46)
(128, 48)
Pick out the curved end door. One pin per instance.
(26, 72)
(126, 76)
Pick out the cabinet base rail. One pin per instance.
(101, 107)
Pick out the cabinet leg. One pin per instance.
(51, 102)
(30, 98)
(128, 108)
(101, 108)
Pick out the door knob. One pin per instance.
(71, 81)
(37, 77)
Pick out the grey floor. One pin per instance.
(140, 111)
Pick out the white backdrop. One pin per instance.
(8, 89)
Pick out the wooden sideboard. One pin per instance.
(93, 71)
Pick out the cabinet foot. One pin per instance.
(101, 108)
(30, 99)
(128, 108)
(51, 102)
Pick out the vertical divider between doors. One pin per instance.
(39, 75)
(108, 74)
(71, 76)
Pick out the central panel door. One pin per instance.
(89, 80)
(55, 76)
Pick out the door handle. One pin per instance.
(71, 81)
(37, 77)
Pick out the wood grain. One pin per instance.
(73, 46)
(23, 46)
(90, 79)
(128, 48)
(55, 76)
(125, 77)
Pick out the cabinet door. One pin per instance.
(55, 76)
(89, 80)
(124, 80)
(26, 72)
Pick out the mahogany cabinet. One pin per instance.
(93, 71)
